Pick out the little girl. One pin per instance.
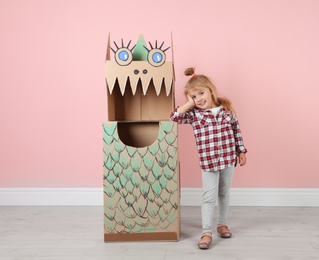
(220, 146)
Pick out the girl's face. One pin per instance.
(202, 97)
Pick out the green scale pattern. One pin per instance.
(141, 187)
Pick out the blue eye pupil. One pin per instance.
(157, 57)
(123, 55)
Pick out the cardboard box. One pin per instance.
(141, 173)
(141, 187)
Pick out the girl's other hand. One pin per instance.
(242, 159)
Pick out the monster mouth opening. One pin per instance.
(140, 105)
(141, 134)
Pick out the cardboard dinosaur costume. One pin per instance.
(141, 168)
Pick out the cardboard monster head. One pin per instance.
(140, 81)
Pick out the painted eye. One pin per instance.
(123, 55)
(156, 56)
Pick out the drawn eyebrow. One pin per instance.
(159, 48)
(126, 47)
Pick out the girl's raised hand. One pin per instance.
(190, 100)
(188, 105)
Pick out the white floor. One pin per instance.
(72, 232)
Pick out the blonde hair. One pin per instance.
(202, 81)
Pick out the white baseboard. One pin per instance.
(189, 197)
(259, 197)
(51, 196)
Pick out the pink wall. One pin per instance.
(262, 54)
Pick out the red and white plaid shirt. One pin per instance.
(218, 138)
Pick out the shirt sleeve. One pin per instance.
(181, 118)
(240, 147)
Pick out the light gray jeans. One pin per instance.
(215, 184)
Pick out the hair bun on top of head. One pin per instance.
(190, 72)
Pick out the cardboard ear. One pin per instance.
(108, 49)
(172, 56)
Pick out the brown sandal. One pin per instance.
(205, 244)
(224, 232)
